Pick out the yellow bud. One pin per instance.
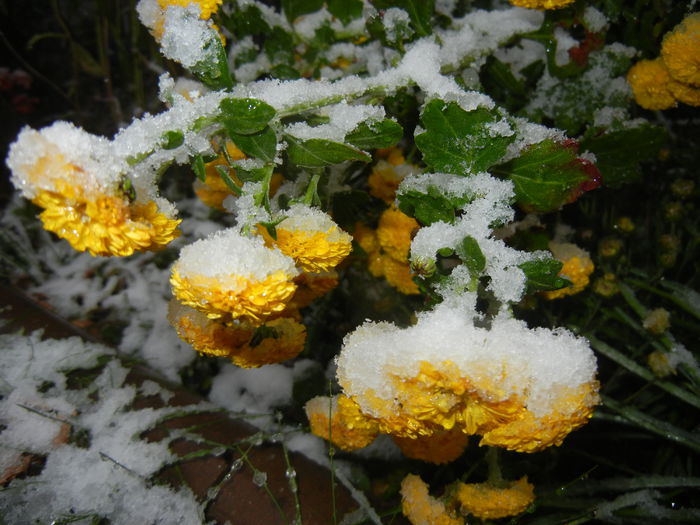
(657, 321)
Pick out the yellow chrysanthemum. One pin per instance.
(311, 238)
(394, 233)
(542, 4)
(649, 80)
(680, 50)
(311, 286)
(529, 433)
(440, 397)
(234, 295)
(489, 501)
(207, 7)
(422, 509)
(439, 447)
(207, 336)
(366, 237)
(229, 276)
(686, 93)
(105, 224)
(247, 345)
(577, 268)
(213, 191)
(386, 177)
(275, 341)
(399, 275)
(340, 421)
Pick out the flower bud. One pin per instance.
(683, 188)
(609, 247)
(606, 286)
(673, 211)
(657, 321)
(625, 225)
(659, 364)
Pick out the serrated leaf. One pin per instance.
(345, 10)
(619, 153)
(316, 153)
(199, 168)
(261, 145)
(383, 134)
(427, 208)
(245, 116)
(295, 8)
(543, 274)
(172, 139)
(458, 141)
(419, 11)
(470, 253)
(545, 175)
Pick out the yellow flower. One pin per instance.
(247, 345)
(686, 93)
(680, 51)
(340, 421)
(649, 80)
(207, 7)
(577, 268)
(541, 4)
(366, 237)
(275, 341)
(311, 286)
(422, 509)
(228, 276)
(529, 433)
(213, 191)
(207, 336)
(387, 175)
(657, 321)
(394, 233)
(439, 447)
(489, 501)
(311, 238)
(399, 275)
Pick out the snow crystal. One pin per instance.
(564, 42)
(594, 20)
(396, 24)
(187, 38)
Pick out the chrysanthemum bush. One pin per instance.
(397, 175)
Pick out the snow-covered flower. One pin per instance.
(577, 268)
(339, 420)
(490, 501)
(228, 275)
(521, 389)
(310, 237)
(86, 198)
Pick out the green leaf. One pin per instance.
(427, 208)
(172, 139)
(345, 10)
(261, 145)
(543, 274)
(248, 21)
(459, 141)
(284, 72)
(316, 153)
(619, 153)
(383, 134)
(295, 8)
(198, 168)
(223, 173)
(419, 11)
(546, 175)
(245, 116)
(213, 70)
(279, 46)
(471, 255)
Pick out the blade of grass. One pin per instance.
(642, 372)
(656, 426)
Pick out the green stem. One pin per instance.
(311, 195)
(494, 466)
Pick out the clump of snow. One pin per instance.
(396, 24)
(227, 252)
(529, 363)
(101, 476)
(187, 38)
(594, 20)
